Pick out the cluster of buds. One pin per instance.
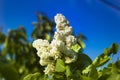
(60, 46)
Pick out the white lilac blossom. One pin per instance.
(60, 46)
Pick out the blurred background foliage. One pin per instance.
(17, 56)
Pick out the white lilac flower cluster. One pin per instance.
(60, 46)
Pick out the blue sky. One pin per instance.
(97, 21)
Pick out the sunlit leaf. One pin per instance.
(60, 66)
(68, 71)
(76, 48)
(101, 60)
(35, 76)
(107, 51)
(82, 44)
(93, 73)
(82, 77)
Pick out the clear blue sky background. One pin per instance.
(97, 21)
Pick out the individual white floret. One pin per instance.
(70, 40)
(59, 36)
(39, 53)
(44, 51)
(56, 43)
(49, 69)
(61, 21)
(59, 18)
(70, 59)
(61, 25)
(68, 52)
(68, 30)
(43, 62)
(65, 32)
(40, 43)
(44, 59)
(55, 53)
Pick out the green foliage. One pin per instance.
(106, 73)
(86, 69)
(111, 72)
(2, 38)
(43, 28)
(8, 71)
(105, 57)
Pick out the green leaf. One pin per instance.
(59, 76)
(85, 78)
(82, 44)
(68, 71)
(60, 66)
(8, 71)
(35, 76)
(93, 73)
(76, 48)
(101, 60)
(116, 67)
(81, 63)
(114, 48)
(111, 72)
(107, 51)
(2, 38)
